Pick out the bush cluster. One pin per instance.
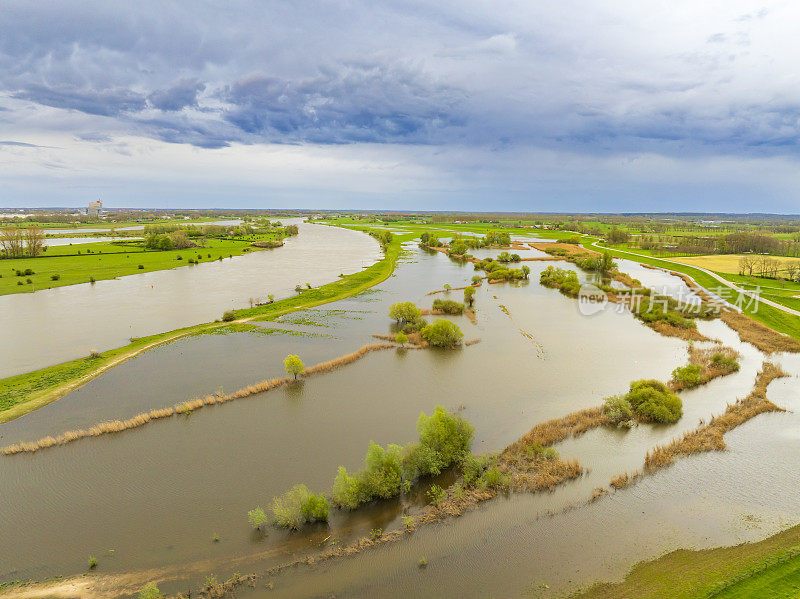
(562, 279)
(443, 439)
(649, 400)
(688, 375)
(442, 333)
(724, 361)
(298, 506)
(496, 271)
(448, 306)
(506, 257)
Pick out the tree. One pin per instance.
(294, 365)
(442, 333)
(791, 270)
(746, 264)
(11, 240)
(404, 312)
(34, 240)
(607, 262)
(401, 339)
(469, 295)
(476, 280)
(526, 270)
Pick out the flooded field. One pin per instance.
(56, 325)
(150, 500)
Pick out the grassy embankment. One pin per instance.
(27, 392)
(109, 261)
(770, 568)
(767, 315)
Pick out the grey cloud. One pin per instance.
(351, 103)
(184, 93)
(108, 102)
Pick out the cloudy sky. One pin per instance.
(538, 106)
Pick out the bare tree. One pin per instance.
(791, 269)
(746, 264)
(34, 240)
(11, 240)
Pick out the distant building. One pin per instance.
(95, 208)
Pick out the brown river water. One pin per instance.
(153, 497)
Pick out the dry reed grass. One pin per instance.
(753, 332)
(709, 437)
(187, 407)
(445, 291)
(470, 314)
(558, 429)
(670, 330)
(472, 341)
(620, 481)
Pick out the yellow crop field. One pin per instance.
(727, 263)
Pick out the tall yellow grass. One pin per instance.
(709, 437)
(186, 407)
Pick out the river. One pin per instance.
(151, 499)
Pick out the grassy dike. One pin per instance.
(767, 315)
(769, 568)
(24, 393)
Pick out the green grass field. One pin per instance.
(107, 261)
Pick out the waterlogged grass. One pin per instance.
(318, 318)
(254, 329)
(24, 393)
(770, 568)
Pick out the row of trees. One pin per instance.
(18, 243)
(768, 267)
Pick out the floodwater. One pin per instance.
(55, 325)
(155, 496)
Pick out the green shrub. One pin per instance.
(652, 400)
(473, 467)
(436, 494)
(150, 591)
(688, 375)
(29, 271)
(449, 306)
(55, 277)
(442, 333)
(298, 506)
(141, 267)
(228, 316)
(92, 562)
(91, 280)
(257, 518)
(447, 435)
(724, 361)
(618, 410)
(494, 478)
